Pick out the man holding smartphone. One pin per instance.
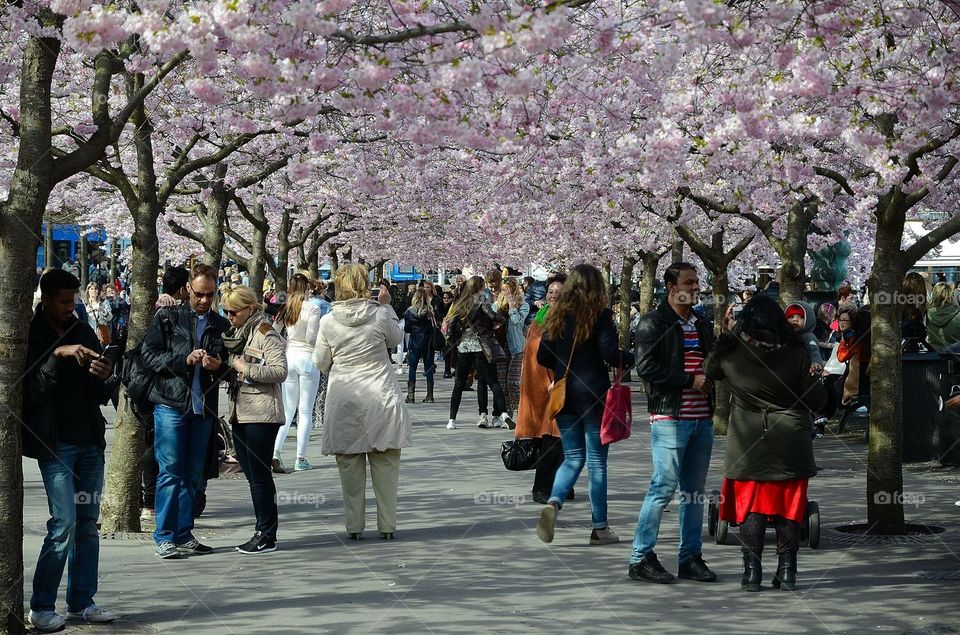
(68, 379)
(188, 367)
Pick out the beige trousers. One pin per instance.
(384, 471)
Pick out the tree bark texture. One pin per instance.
(21, 216)
(120, 510)
(885, 453)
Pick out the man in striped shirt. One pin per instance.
(671, 344)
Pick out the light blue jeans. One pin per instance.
(581, 445)
(73, 481)
(681, 456)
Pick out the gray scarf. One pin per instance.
(235, 339)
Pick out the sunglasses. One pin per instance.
(232, 313)
(203, 295)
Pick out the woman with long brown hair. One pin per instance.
(469, 326)
(579, 340)
(301, 319)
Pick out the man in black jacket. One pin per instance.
(67, 381)
(189, 366)
(671, 344)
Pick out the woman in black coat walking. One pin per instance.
(769, 458)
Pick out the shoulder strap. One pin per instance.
(265, 328)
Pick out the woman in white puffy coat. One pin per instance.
(365, 419)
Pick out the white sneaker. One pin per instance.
(451, 425)
(505, 421)
(483, 422)
(93, 614)
(46, 621)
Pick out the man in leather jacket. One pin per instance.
(188, 367)
(671, 344)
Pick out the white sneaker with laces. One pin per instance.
(93, 614)
(451, 425)
(483, 421)
(46, 621)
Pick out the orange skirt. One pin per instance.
(770, 498)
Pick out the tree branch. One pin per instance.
(835, 176)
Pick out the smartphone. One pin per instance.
(737, 310)
(107, 350)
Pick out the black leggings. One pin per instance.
(254, 444)
(488, 372)
(754, 527)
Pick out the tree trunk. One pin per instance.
(885, 453)
(648, 282)
(121, 501)
(334, 261)
(721, 413)
(676, 254)
(84, 263)
(257, 265)
(793, 251)
(626, 296)
(120, 510)
(21, 216)
(114, 258)
(314, 265)
(48, 246)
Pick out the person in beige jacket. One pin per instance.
(365, 417)
(258, 359)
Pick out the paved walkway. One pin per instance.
(466, 559)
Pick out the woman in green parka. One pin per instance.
(769, 446)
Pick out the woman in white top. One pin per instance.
(301, 319)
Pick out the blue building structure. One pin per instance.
(66, 244)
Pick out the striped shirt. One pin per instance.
(693, 403)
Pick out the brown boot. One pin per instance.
(411, 389)
(429, 397)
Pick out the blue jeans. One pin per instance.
(73, 481)
(681, 456)
(413, 360)
(581, 436)
(180, 441)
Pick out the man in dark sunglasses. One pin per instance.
(188, 367)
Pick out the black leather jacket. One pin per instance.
(173, 380)
(659, 353)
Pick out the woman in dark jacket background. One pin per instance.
(769, 457)
(579, 329)
(419, 322)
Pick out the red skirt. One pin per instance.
(770, 498)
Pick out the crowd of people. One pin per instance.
(326, 355)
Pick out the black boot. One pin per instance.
(752, 571)
(786, 577)
(429, 397)
(411, 389)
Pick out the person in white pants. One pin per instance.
(301, 319)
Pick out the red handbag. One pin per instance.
(617, 412)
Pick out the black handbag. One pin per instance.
(520, 454)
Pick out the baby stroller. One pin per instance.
(719, 529)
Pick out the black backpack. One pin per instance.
(137, 379)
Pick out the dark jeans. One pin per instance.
(449, 361)
(254, 444)
(548, 462)
(485, 370)
(413, 361)
(150, 471)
